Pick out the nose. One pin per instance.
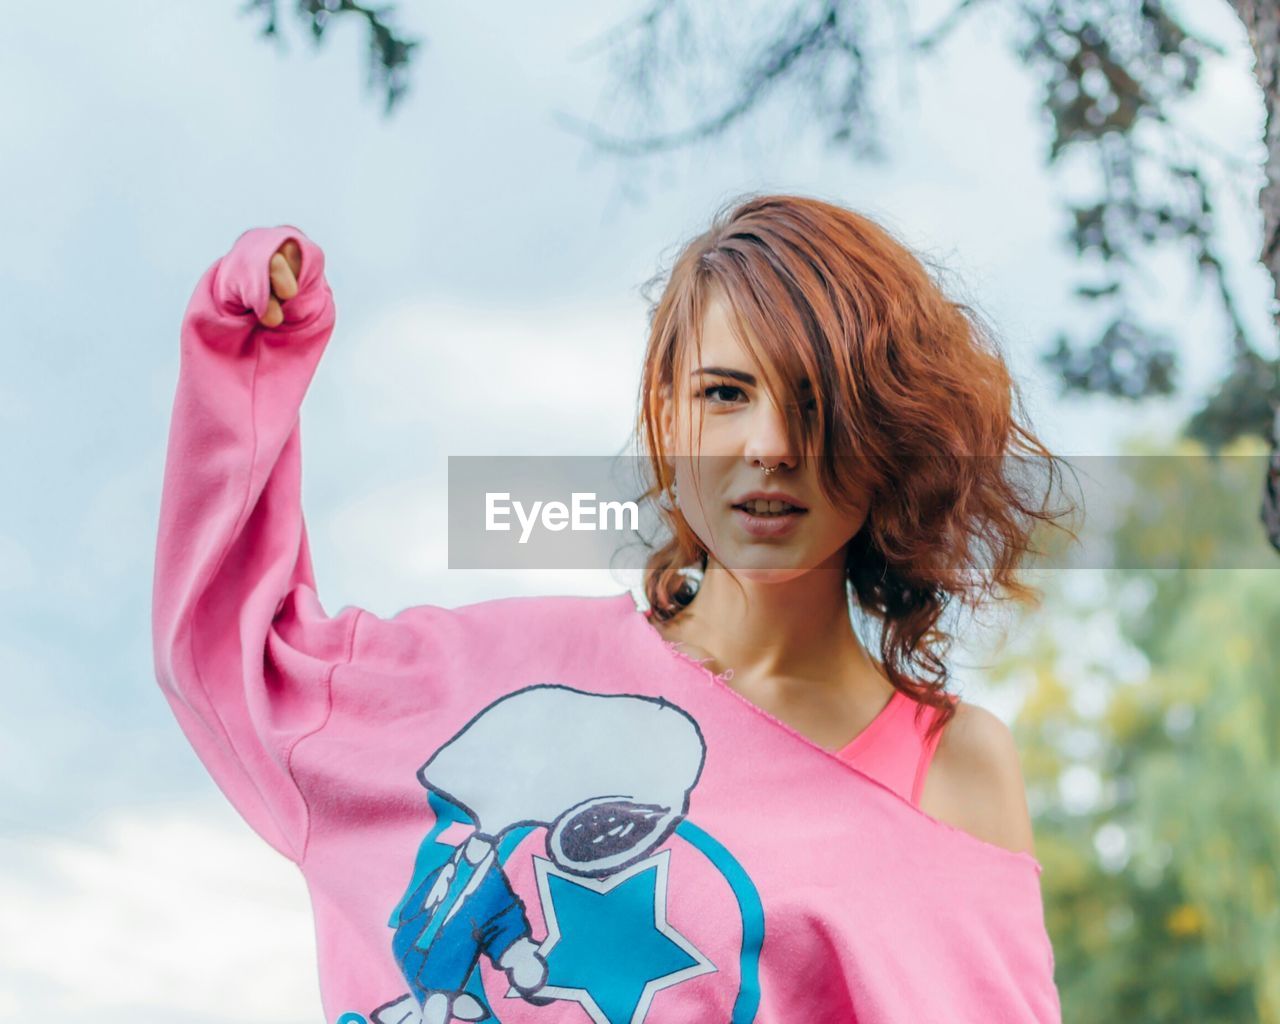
(767, 444)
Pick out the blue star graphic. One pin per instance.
(609, 944)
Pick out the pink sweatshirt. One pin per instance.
(536, 809)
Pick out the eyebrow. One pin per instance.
(738, 375)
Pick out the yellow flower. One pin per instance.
(1185, 920)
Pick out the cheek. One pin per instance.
(698, 479)
(702, 492)
(836, 524)
(710, 435)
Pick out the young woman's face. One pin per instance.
(742, 431)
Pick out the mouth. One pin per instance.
(761, 509)
(768, 520)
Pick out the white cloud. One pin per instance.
(426, 380)
(174, 915)
(494, 380)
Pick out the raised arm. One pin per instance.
(243, 649)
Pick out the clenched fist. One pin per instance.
(272, 282)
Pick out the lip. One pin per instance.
(771, 496)
(771, 527)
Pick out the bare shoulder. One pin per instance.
(975, 781)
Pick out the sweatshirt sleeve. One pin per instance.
(243, 649)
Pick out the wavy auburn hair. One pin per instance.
(914, 405)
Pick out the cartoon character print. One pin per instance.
(599, 782)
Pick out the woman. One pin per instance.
(558, 808)
(911, 410)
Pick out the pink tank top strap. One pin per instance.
(893, 749)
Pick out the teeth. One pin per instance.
(760, 506)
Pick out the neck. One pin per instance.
(793, 632)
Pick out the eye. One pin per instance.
(707, 392)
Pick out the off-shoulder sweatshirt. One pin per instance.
(534, 809)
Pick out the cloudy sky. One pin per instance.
(486, 266)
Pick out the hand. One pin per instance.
(286, 264)
(525, 967)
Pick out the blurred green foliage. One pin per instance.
(1150, 733)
